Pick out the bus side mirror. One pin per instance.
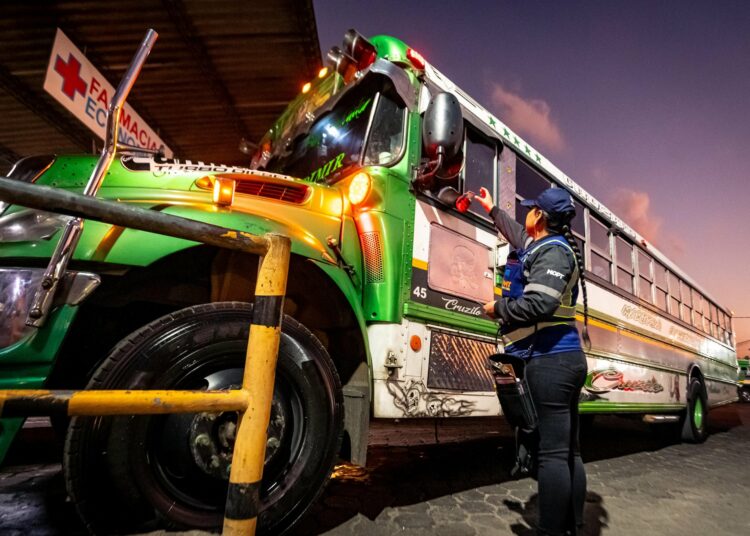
(442, 137)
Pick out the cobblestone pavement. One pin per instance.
(641, 482)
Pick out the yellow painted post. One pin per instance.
(243, 502)
(27, 402)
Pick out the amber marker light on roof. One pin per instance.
(306, 87)
(223, 191)
(323, 72)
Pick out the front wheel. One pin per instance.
(744, 393)
(141, 473)
(695, 419)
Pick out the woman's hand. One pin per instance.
(489, 307)
(485, 199)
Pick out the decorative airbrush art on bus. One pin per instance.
(415, 400)
(611, 384)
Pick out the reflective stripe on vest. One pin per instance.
(564, 314)
(521, 333)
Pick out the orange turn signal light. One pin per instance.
(223, 191)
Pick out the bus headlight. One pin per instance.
(359, 188)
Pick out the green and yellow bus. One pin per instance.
(383, 330)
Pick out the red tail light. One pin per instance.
(360, 49)
(416, 58)
(464, 202)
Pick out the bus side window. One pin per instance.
(714, 320)
(624, 255)
(601, 249)
(479, 168)
(674, 295)
(686, 310)
(662, 290)
(529, 184)
(645, 277)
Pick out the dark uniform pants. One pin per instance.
(555, 382)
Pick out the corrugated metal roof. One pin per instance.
(221, 70)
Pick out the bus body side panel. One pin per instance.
(640, 357)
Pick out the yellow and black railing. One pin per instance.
(253, 400)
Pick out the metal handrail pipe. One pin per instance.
(115, 109)
(30, 403)
(92, 208)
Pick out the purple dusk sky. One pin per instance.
(645, 104)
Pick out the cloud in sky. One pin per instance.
(634, 207)
(530, 117)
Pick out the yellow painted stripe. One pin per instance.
(418, 263)
(124, 402)
(239, 527)
(635, 336)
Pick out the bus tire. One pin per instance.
(142, 473)
(695, 419)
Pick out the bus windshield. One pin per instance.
(335, 143)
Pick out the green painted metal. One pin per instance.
(390, 48)
(39, 349)
(628, 407)
(433, 314)
(8, 430)
(27, 364)
(698, 413)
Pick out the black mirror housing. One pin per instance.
(443, 127)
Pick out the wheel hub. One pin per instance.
(212, 436)
(211, 441)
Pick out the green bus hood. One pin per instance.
(308, 223)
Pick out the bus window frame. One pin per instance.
(658, 287)
(398, 157)
(518, 197)
(631, 273)
(594, 249)
(474, 209)
(648, 277)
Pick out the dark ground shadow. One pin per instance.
(36, 503)
(614, 436)
(33, 499)
(400, 476)
(407, 476)
(595, 517)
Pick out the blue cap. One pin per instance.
(552, 201)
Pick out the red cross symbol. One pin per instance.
(72, 82)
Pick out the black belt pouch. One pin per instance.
(513, 392)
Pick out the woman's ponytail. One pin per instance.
(561, 224)
(582, 276)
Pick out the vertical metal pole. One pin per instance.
(243, 501)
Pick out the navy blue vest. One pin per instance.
(554, 334)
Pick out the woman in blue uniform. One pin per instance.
(537, 323)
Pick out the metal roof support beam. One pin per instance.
(71, 129)
(194, 43)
